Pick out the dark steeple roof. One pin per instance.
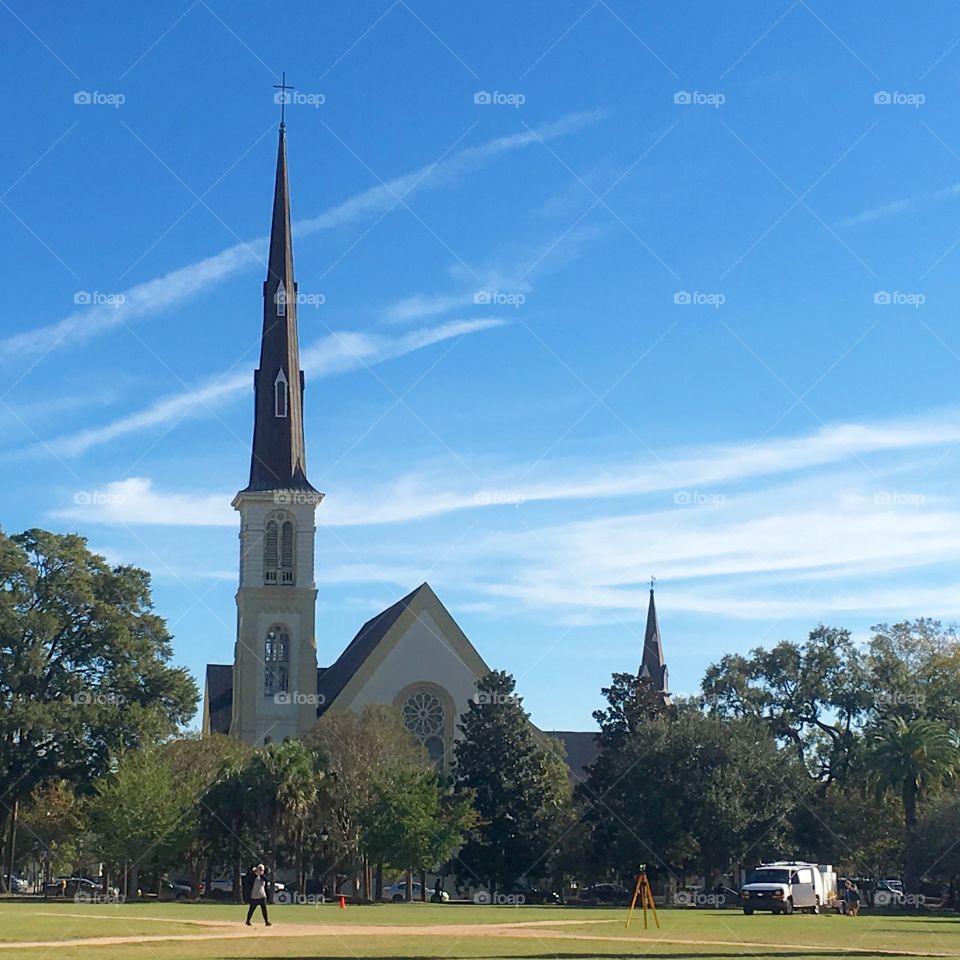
(652, 665)
(279, 460)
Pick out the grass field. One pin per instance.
(145, 931)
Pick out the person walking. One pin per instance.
(258, 895)
(851, 899)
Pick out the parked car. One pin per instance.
(397, 892)
(174, 891)
(71, 887)
(220, 888)
(16, 884)
(605, 893)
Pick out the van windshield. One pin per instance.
(769, 876)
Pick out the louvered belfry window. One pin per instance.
(270, 557)
(286, 552)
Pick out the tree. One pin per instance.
(912, 672)
(361, 752)
(689, 792)
(519, 797)
(811, 695)
(911, 758)
(414, 823)
(197, 762)
(54, 822)
(282, 781)
(139, 814)
(84, 668)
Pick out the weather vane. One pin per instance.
(653, 580)
(281, 97)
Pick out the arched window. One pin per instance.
(276, 658)
(281, 300)
(270, 538)
(286, 552)
(276, 648)
(279, 549)
(280, 394)
(425, 717)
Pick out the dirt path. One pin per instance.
(535, 929)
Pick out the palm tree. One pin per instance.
(910, 757)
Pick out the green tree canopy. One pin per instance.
(84, 667)
(520, 788)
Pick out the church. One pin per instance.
(412, 655)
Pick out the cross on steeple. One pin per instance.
(281, 97)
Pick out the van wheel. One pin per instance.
(816, 906)
(788, 907)
(748, 911)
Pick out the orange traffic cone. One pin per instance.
(343, 902)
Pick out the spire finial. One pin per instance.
(653, 580)
(282, 97)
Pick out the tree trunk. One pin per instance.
(911, 873)
(409, 890)
(423, 886)
(4, 820)
(11, 844)
(379, 885)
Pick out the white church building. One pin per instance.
(413, 655)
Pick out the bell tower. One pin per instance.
(275, 658)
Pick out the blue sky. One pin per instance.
(676, 297)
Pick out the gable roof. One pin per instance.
(332, 680)
(218, 698)
(582, 749)
(379, 636)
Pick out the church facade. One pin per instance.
(412, 655)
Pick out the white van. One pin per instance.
(787, 885)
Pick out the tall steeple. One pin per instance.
(652, 665)
(279, 459)
(275, 657)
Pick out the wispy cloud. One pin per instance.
(907, 205)
(783, 528)
(332, 354)
(414, 497)
(178, 286)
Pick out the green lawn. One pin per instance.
(404, 931)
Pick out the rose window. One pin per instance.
(423, 715)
